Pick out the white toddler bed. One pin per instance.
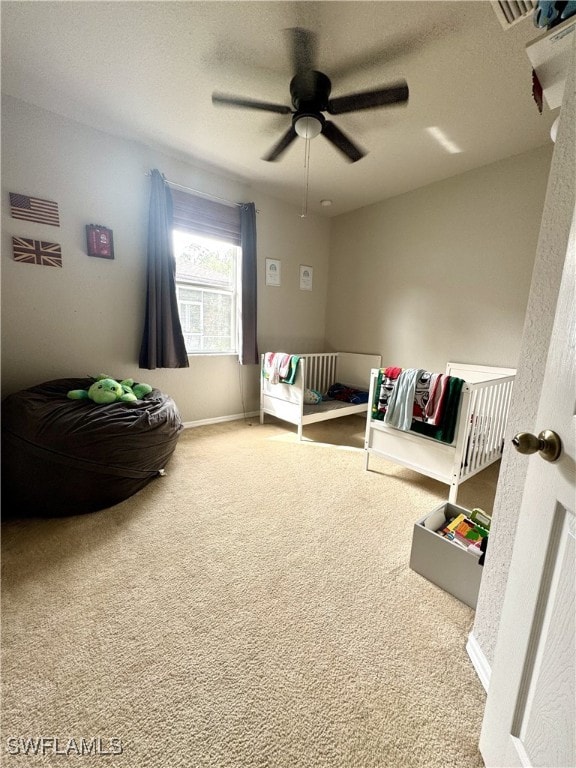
(317, 371)
(479, 435)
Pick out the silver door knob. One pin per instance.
(548, 444)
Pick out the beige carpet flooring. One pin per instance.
(253, 608)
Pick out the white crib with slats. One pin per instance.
(479, 436)
(319, 371)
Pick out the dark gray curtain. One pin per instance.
(248, 344)
(162, 341)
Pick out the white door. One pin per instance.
(530, 713)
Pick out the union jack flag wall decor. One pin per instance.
(36, 252)
(34, 209)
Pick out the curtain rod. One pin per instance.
(199, 192)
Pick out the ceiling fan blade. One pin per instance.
(396, 46)
(281, 145)
(381, 97)
(238, 101)
(342, 142)
(302, 49)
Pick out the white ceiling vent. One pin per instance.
(510, 12)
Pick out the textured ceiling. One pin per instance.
(147, 70)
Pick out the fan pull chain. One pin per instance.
(307, 182)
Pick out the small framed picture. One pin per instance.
(306, 275)
(99, 241)
(272, 271)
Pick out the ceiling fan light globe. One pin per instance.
(308, 127)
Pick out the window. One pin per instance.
(207, 283)
(215, 249)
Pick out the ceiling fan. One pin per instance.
(310, 94)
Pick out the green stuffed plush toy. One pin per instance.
(106, 390)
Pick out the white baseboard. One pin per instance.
(479, 661)
(219, 419)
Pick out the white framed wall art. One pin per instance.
(306, 276)
(273, 271)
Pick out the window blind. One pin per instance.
(206, 217)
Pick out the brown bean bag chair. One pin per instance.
(67, 457)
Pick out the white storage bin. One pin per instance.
(442, 561)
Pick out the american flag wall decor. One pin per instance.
(36, 252)
(34, 209)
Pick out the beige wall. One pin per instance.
(441, 273)
(294, 319)
(87, 317)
